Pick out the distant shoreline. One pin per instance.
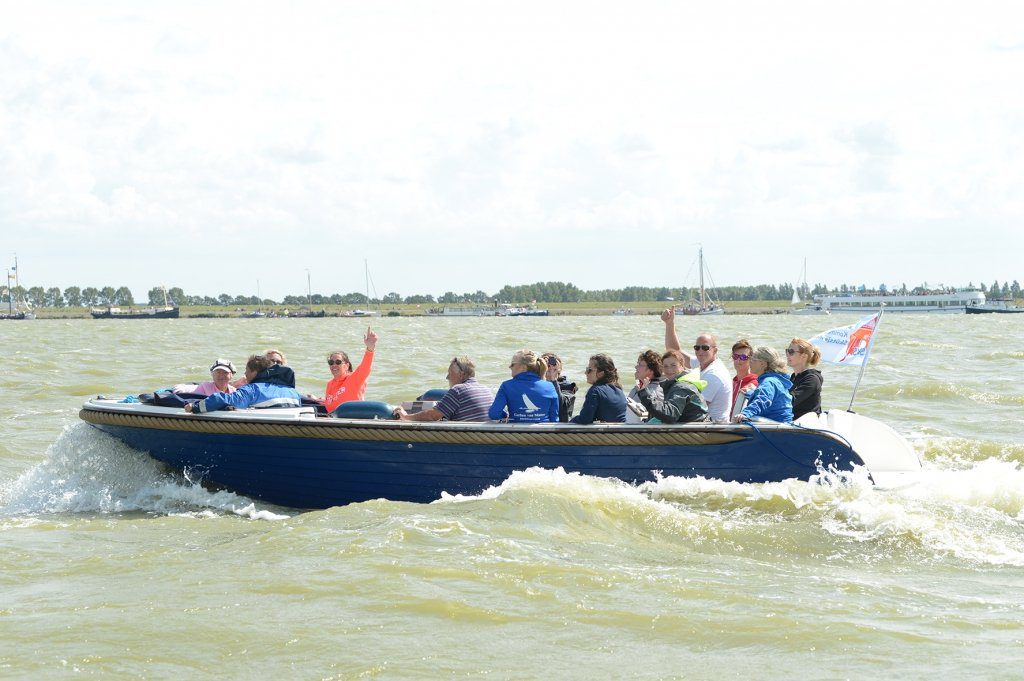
(759, 307)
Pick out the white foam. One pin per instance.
(86, 471)
(971, 514)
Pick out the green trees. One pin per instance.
(541, 292)
(123, 296)
(53, 298)
(73, 296)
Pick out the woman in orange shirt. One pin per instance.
(348, 385)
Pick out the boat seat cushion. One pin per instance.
(359, 409)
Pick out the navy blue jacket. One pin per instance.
(604, 402)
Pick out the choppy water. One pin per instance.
(111, 566)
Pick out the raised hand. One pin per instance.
(370, 339)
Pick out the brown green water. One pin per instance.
(110, 566)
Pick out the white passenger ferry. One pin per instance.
(949, 303)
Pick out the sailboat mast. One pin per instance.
(700, 257)
(366, 273)
(17, 284)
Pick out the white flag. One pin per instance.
(847, 345)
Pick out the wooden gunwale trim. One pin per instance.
(391, 433)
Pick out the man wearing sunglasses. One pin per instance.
(466, 400)
(718, 393)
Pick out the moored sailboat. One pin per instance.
(811, 307)
(706, 305)
(16, 309)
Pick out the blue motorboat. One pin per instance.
(294, 458)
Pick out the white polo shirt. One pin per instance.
(718, 394)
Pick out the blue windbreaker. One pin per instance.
(771, 398)
(528, 398)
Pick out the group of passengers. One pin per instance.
(673, 387)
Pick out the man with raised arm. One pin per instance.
(718, 393)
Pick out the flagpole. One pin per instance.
(867, 354)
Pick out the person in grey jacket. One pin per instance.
(675, 400)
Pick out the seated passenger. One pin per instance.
(675, 400)
(605, 400)
(526, 397)
(673, 364)
(466, 400)
(221, 371)
(771, 398)
(348, 385)
(275, 356)
(566, 390)
(801, 357)
(265, 388)
(648, 366)
(745, 379)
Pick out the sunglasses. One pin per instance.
(705, 348)
(740, 356)
(339, 362)
(791, 351)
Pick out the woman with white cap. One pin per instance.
(221, 371)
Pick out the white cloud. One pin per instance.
(534, 141)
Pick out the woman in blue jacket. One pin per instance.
(605, 400)
(526, 397)
(771, 398)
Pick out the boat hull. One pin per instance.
(995, 310)
(171, 313)
(317, 462)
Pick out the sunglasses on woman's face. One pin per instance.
(332, 362)
(740, 356)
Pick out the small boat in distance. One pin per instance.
(531, 310)
(455, 311)
(809, 308)
(168, 311)
(112, 312)
(16, 309)
(995, 306)
(257, 313)
(706, 305)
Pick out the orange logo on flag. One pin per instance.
(860, 338)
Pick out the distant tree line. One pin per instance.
(540, 292)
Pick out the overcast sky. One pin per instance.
(466, 145)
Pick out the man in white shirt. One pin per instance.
(718, 393)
